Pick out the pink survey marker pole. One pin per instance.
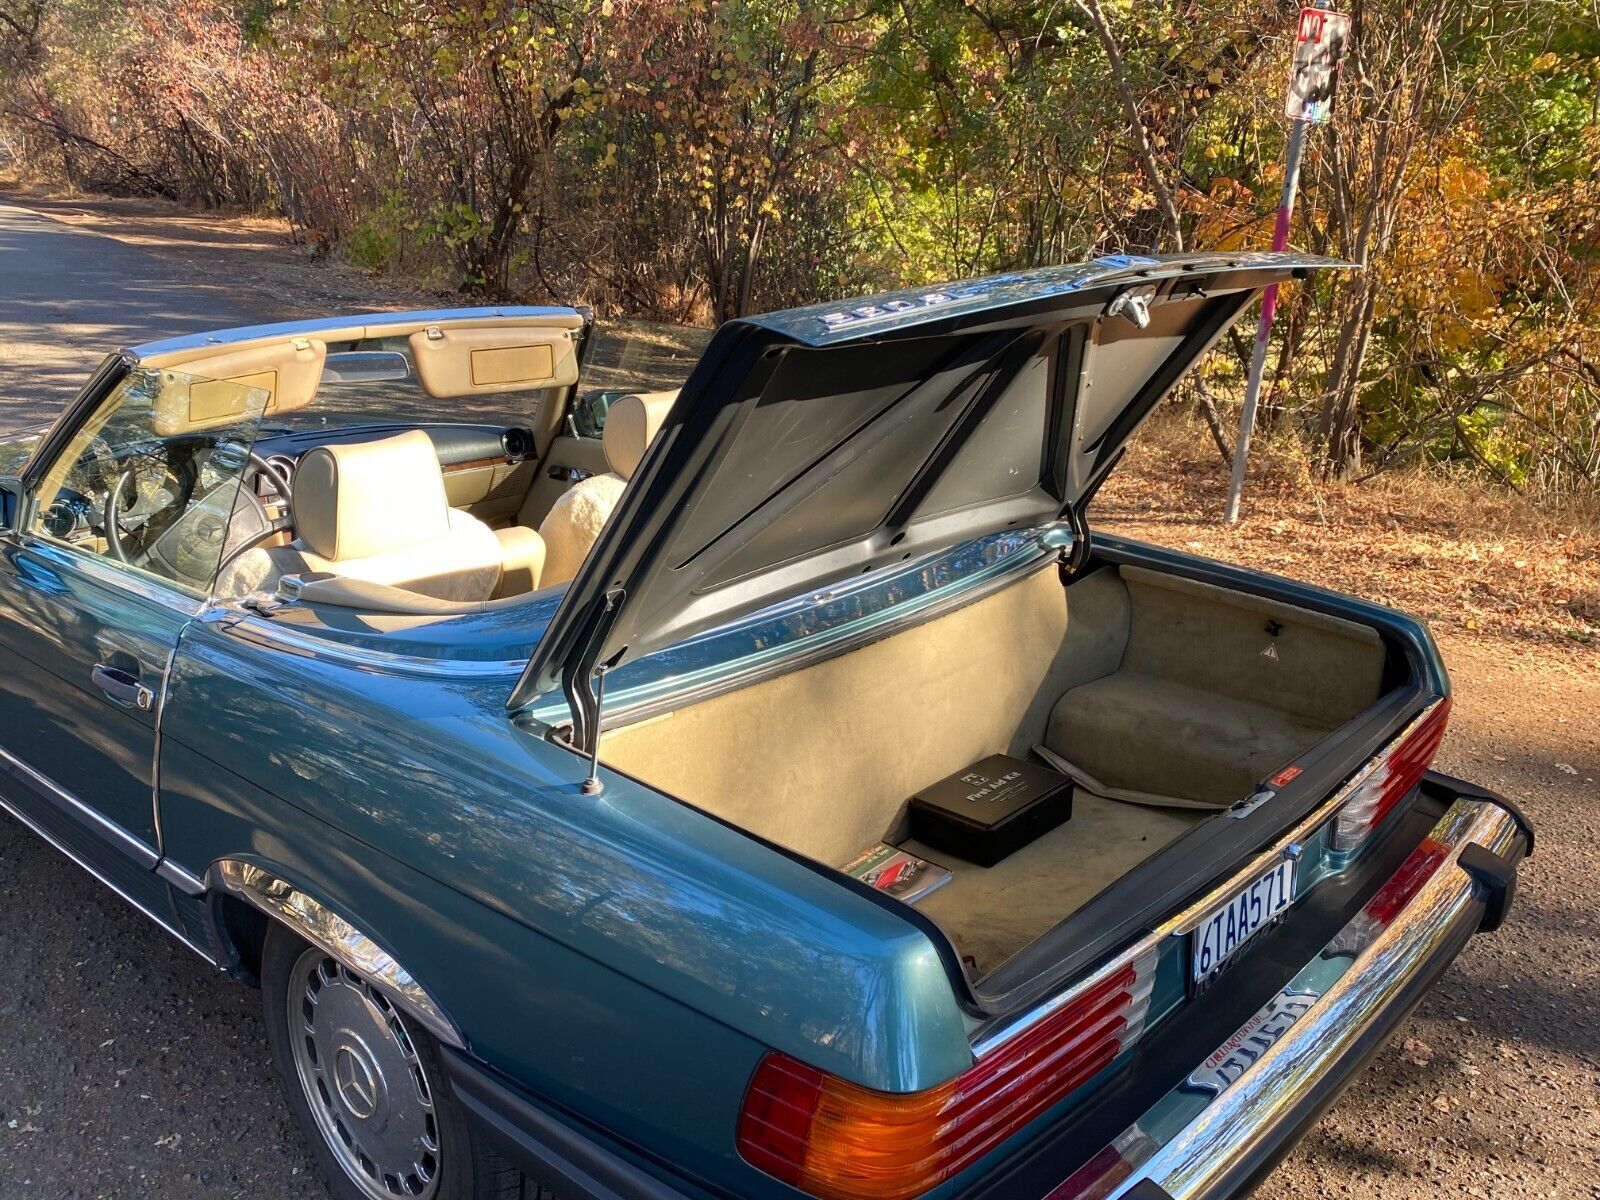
(1319, 46)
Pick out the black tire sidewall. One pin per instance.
(456, 1145)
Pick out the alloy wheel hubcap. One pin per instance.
(365, 1083)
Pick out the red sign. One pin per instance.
(1319, 47)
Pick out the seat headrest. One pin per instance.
(632, 423)
(365, 498)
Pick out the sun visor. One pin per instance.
(489, 359)
(289, 372)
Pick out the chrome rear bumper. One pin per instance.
(1196, 1145)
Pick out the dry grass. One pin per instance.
(1449, 547)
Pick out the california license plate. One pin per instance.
(1223, 932)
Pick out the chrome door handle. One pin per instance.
(123, 688)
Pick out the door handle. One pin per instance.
(123, 688)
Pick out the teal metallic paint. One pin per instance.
(62, 612)
(577, 1033)
(429, 771)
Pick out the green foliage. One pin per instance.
(698, 159)
(378, 240)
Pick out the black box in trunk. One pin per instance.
(991, 809)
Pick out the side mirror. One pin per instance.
(10, 501)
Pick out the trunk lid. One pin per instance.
(819, 443)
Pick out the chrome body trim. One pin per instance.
(985, 1039)
(185, 881)
(164, 922)
(262, 631)
(118, 837)
(322, 927)
(111, 573)
(155, 752)
(1385, 953)
(810, 628)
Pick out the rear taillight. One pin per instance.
(837, 1140)
(1389, 777)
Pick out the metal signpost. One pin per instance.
(1319, 47)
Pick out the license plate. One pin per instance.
(1223, 931)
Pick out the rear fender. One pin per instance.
(265, 889)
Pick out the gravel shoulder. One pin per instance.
(129, 1069)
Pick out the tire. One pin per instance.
(369, 1089)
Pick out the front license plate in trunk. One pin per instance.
(1230, 925)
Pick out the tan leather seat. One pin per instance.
(575, 520)
(377, 512)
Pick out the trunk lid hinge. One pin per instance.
(1134, 304)
(583, 681)
(1071, 544)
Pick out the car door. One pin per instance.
(120, 521)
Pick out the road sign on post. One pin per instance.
(1319, 46)
(1318, 50)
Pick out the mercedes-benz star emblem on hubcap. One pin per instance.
(358, 1087)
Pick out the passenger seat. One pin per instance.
(377, 511)
(574, 522)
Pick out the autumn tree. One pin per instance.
(474, 96)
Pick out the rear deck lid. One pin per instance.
(819, 443)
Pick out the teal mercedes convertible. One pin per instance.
(765, 787)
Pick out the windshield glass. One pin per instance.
(375, 380)
(633, 356)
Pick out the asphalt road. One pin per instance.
(128, 1068)
(69, 296)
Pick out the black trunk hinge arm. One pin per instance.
(1076, 554)
(583, 681)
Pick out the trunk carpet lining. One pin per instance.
(1146, 682)
(991, 913)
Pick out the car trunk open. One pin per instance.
(1169, 699)
(817, 446)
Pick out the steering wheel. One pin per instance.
(165, 517)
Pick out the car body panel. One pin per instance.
(62, 615)
(429, 771)
(576, 1032)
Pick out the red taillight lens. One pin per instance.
(1390, 777)
(839, 1141)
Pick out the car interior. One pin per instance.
(412, 467)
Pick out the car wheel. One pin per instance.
(369, 1089)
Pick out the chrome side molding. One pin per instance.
(330, 932)
(189, 884)
(165, 922)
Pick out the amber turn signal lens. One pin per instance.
(838, 1141)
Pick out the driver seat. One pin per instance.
(377, 511)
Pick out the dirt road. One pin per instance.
(129, 1069)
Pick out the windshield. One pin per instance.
(374, 380)
(633, 356)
